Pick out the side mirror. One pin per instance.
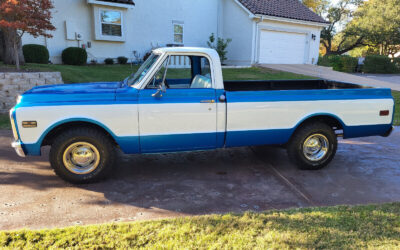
(161, 89)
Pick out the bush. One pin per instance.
(109, 61)
(396, 62)
(349, 64)
(220, 45)
(122, 60)
(147, 55)
(379, 64)
(339, 63)
(35, 53)
(74, 56)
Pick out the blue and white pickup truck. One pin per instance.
(178, 101)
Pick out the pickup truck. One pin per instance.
(178, 101)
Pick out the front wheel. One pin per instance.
(313, 146)
(82, 155)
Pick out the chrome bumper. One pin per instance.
(18, 148)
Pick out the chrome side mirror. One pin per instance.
(161, 89)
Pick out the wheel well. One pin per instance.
(49, 138)
(333, 122)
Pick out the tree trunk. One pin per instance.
(10, 52)
(1, 46)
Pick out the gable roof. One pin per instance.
(292, 9)
(119, 1)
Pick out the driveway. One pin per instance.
(168, 185)
(328, 73)
(393, 78)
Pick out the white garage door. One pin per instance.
(278, 47)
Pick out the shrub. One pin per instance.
(147, 55)
(339, 63)
(74, 56)
(35, 53)
(122, 60)
(109, 61)
(349, 64)
(378, 64)
(396, 62)
(324, 61)
(220, 45)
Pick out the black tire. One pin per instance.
(296, 145)
(103, 144)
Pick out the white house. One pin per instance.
(262, 31)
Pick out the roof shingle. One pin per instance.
(292, 9)
(120, 1)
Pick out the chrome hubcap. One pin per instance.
(81, 158)
(315, 147)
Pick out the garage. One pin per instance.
(280, 47)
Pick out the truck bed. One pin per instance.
(288, 85)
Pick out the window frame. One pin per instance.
(182, 24)
(101, 10)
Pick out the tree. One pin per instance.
(220, 46)
(318, 6)
(379, 20)
(339, 38)
(23, 16)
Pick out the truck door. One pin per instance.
(182, 114)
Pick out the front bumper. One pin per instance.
(18, 148)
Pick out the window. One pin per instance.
(183, 72)
(111, 23)
(178, 33)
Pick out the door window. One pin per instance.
(183, 72)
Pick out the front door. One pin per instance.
(182, 118)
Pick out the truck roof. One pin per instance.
(185, 49)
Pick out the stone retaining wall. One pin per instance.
(14, 84)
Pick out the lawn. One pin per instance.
(76, 74)
(343, 227)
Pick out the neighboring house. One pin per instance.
(262, 31)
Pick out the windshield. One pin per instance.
(142, 71)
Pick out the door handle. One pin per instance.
(207, 101)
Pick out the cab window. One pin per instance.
(183, 72)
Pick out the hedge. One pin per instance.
(74, 56)
(339, 63)
(379, 64)
(122, 60)
(109, 61)
(35, 53)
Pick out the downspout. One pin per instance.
(257, 37)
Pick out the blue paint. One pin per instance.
(258, 137)
(176, 96)
(307, 95)
(365, 130)
(177, 142)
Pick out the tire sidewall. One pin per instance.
(299, 144)
(57, 159)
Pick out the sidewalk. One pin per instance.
(329, 74)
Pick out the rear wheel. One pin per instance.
(82, 155)
(313, 146)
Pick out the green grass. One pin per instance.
(4, 121)
(76, 74)
(396, 95)
(344, 227)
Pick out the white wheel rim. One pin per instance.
(81, 158)
(316, 147)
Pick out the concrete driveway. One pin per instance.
(231, 180)
(328, 73)
(392, 78)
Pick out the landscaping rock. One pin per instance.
(13, 84)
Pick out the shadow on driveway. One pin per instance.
(221, 181)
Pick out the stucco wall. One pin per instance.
(148, 22)
(238, 26)
(14, 84)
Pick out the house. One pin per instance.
(262, 31)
